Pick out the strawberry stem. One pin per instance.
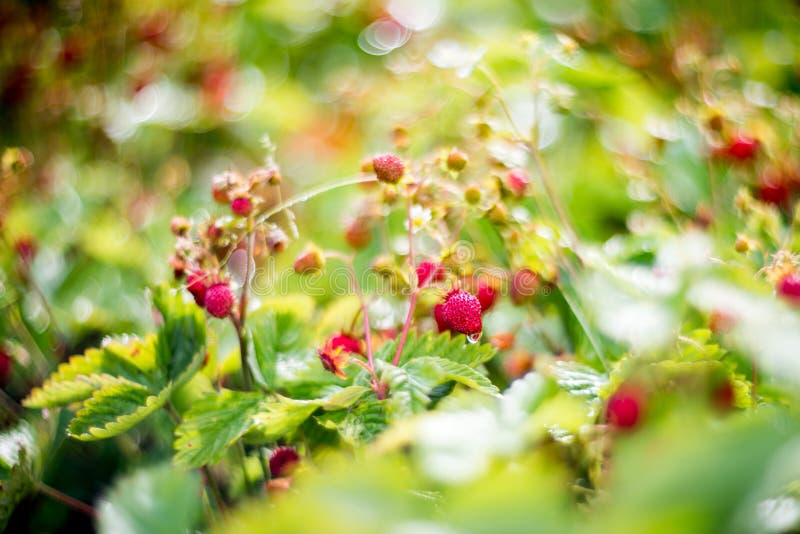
(412, 304)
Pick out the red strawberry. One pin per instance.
(428, 272)
(774, 189)
(626, 407)
(6, 365)
(282, 461)
(516, 181)
(388, 168)
(219, 300)
(524, 284)
(742, 148)
(241, 206)
(197, 284)
(438, 315)
(462, 311)
(789, 288)
(487, 294)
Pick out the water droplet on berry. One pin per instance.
(474, 338)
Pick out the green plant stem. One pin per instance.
(65, 499)
(243, 460)
(215, 492)
(247, 376)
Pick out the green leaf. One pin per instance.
(78, 378)
(440, 370)
(275, 334)
(180, 349)
(578, 379)
(213, 424)
(18, 467)
(344, 398)
(408, 394)
(115, 408)
(454, 348)
(361, 424)
(277, 419)
(155, 500)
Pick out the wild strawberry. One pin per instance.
(388, 168)
(197, 285)
(221, 186)
(283, 461)
(518, 363)
(438, 315)
(486, 293)
(178, 266)
(721, 322)
(219, 300)
(428, 272)
(742, 148)
(179, 225)
(503, 340)
(358, 233)
(276, 240)
(516, 181)
(626, 407)
(789, 288)
(26, 249)
(524, 284)
(723, 396)
(311, 259)
(241, 206)
(462, 311)
(456, 160)
(773, 188)
(6, 366)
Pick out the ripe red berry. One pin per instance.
(723, 396)
(789, 288)
(772, 188)
(6, 366)
(438, 315)
(219, 300)
(462, 311)
(625, 408)
(487, 294)
(742, 148)
(197, 284)
(524, 284)
(429, 271)
(241, 206)
(282, 461)
(26, 249)
(516, 181)
(388, 168)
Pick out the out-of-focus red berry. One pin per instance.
(626, 407)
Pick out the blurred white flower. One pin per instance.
(419, 217)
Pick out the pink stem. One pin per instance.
(415, 290)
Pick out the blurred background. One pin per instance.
(117, 114)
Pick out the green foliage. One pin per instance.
(213, 424)
(276, 335)
(454, 348)
(153, 500)
(180, 348)
(20, 464)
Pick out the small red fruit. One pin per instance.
(310, 260)
(723, 396)
(742, 148)
(772, 188)
(462, 311)
(789, 288)
(219, 300)
(6, 366)
(283, 461)
(487, 294)
(241, 206)
(26, 249)
(438, 315)
(197, 284)
(389, 168)
(428, 272)
(335, 352)
(516, 181)
(626, 407)
(358, 233)
(524, 284)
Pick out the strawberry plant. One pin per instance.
(495, 268)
